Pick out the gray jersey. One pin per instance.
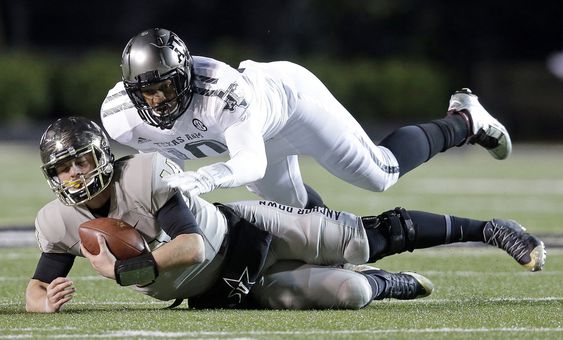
(318, 239)
(138, 192)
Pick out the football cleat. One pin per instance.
(402, 286)
(509, 235)
(485, 129)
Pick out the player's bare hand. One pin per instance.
(104, 262)
(59, 292)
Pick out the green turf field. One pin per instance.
(480, 291)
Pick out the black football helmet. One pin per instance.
(74, 137)
(154, 56)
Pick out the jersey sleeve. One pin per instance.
(247, 151)
(161, 192)
(235, 115)
(50, 230)
(234, 102)
(119, 116)
(229, 96)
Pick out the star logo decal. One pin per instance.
(239, 287)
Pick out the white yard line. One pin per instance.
(243, 334)
(17, 238)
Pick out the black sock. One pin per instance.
(415, 144)
(445, 133)
(430, 230)
(377, 283)
(435, 229)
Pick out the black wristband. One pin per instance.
(139, 270)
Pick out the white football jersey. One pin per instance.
(264, 115)
(222, 98)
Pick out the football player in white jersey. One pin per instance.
(258, 254)
(265, 115)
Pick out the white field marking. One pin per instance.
(131, 303)
(244, 335)
(19, 256)
(103, 303)
(473, 273)
(39, 328)
(81, 278)
(17, 238)
(487, 186)
(429, 301)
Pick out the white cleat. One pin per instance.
(486, 130)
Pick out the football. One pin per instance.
(123, 240)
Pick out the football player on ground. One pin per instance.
(265, 115)
(258, 254)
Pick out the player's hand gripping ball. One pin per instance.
(123, 240)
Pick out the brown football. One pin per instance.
(123, 240)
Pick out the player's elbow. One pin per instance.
(198, 256)
(261, 169)
(248, 167)
(259, 165)
(193, 249)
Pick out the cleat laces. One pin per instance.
(401, 286)
(507, 239)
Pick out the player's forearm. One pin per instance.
(248, 153)
(247, 166)
(183, 250)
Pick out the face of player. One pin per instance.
(72, 171)
(161, 96)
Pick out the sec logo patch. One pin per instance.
(199, 124)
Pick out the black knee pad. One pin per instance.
(397, 227)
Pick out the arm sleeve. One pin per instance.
(53, 265)
(176, 218)
(248, 154)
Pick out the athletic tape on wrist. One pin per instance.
(139, 270)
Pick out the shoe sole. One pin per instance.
(504, 147)
(424, 282)
(537, 255)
